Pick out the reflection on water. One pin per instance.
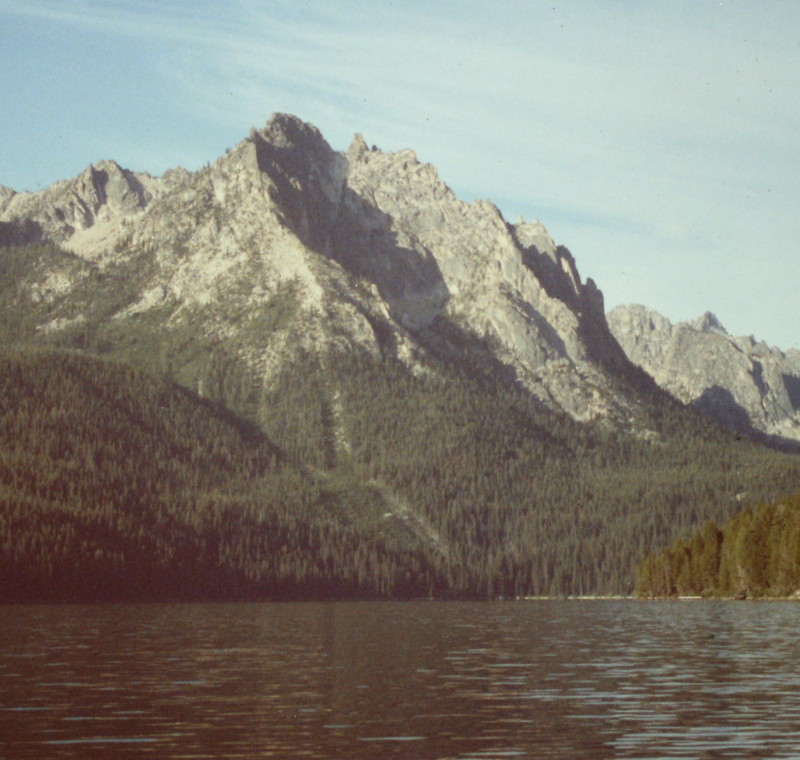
(543, 679)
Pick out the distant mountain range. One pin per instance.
(441, 386)
(745, 385)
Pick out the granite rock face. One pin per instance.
(284, 246)
(742, 383)
(104, 192)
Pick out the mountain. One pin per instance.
(744, 384)
(445, 409)
(284, 245)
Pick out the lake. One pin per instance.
(417, 680)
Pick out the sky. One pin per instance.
(658, 140)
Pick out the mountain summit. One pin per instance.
(365, 249)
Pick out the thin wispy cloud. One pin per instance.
(153, 21)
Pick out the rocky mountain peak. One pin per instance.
(709, 323)
(532, 235)
(104, 192)
(120, 191)
(285, 130)
(358, 147)
(743, 384)
(376, 250)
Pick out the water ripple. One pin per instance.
(578, 680)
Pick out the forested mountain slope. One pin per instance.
(116, 485)
(362, 481)
(303, 373)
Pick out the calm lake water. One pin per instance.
(538, 679)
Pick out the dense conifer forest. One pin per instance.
(524, 501)
(755, 554)
(354, 479)
(117, 485)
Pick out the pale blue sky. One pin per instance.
(659, 141)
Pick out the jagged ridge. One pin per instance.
(378, 253)
(744, 384)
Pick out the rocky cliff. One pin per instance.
(743, 383)
(284, 246)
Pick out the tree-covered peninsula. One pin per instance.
(755, 554)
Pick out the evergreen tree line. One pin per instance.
(755, 554)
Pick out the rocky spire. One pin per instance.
(708, 322)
